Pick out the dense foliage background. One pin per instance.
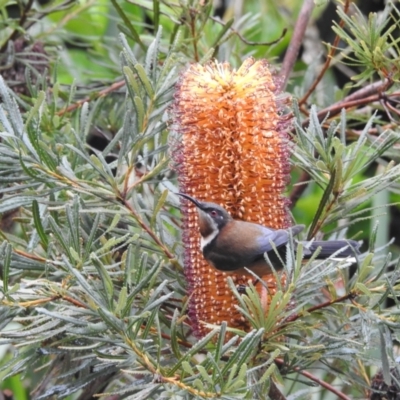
(92, 291)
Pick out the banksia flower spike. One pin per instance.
(230, 148)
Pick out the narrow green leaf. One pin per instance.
(196, 348)
(56, 231)
(237, 384)
(157, 302)
(270, 370)
(157, 297)
(338, 182)
(149, 325)
(83, 282)
(35, 109)
(372, 235)
(140, 264)
(157, 208)
(154, 172)
(365, 268)
(6, 251)
(105, 278)
(220, 343)
(204, 374)
(384, 357)
(152, 57)
(198, 384)
(137, 101)
(128, 24)
(322, 205)
(141, 284)
(127, 263)
(73, 219)
(145, 80)
(231, 376)
(114, 142)
(12, 110)
(174, 336)
(111, 320)
(224, 29)
(361, 287)
(88, 159)
(92, 235)
(38, 225)
(248, 345)
(187, 368)
(156, 14)
(131, 81)
(56, 316)
(103, 165)
(299, 259)
(207, 56)
(123, 295)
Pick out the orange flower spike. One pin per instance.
(230, 148)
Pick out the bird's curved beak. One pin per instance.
(192, 199)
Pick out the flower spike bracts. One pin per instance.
(230, 148)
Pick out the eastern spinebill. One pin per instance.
(231, 245)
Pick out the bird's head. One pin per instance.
(212, 217)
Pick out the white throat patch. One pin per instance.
(208, 239)
(207, 222)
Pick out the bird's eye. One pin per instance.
(213, 213)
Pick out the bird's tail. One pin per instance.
(344, 248)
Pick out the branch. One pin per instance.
(17, 31)
(346, 104)
(298, 190)
(274, 392)
(92, 97)
(373, 88)
(295, 43)
(152, 234)
(312, 377)
(349, 296)
(329, 57)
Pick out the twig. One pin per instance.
(348, 296)
(73, 301)
(32, 303)
(295, 43)
(337, 107)
(194, 38)
(373, 88)
(361, 97)
(312, 377)
(29, 255)
(249, 42)
(153, 235)
(329, 57)
(102, 93)
(300, 187)
(17, 32)
(274, 392)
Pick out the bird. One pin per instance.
(235, 246)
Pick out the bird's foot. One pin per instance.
(241, 288)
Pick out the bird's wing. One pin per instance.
(270, 239)
(240, 244)
(279, 237)
(257, 240)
